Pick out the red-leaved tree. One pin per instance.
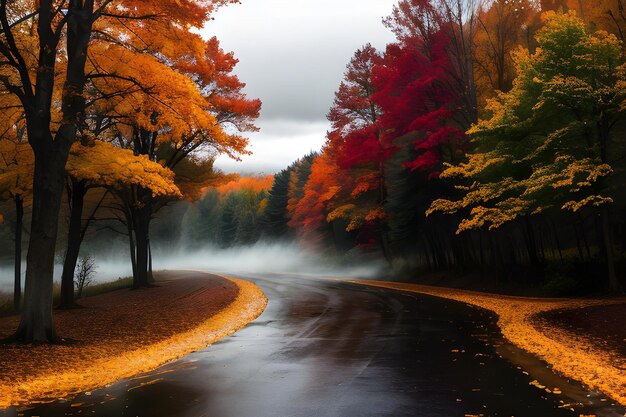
(414, 94)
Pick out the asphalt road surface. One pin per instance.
(330, 349)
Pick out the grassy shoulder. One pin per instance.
(572, 354)
(122, 333)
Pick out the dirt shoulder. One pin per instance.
(123, 333)
(578, 351)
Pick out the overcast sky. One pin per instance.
(292, 55)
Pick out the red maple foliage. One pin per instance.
(414, 95)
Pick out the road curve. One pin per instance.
(332, 349)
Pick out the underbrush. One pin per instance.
(575, 278)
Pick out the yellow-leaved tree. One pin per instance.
(108, 168)
(545, 143)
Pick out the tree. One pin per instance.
(242, 204)
(215, 114)
(357, 145)
(200, 222)
(16, 175)
(277, 212)
(502, 27)
(103, 165)
(33, 78)
(309, 214)
(424, 22)
(546, 142)
(86, 268)
(415, 96)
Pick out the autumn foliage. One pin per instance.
(121, 96)
(470, 142)
(254, 183)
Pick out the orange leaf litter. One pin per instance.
(569, 354)
(125, 333)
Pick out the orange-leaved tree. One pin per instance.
(42, 43)
(180, 110)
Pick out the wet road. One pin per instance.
(332, 349)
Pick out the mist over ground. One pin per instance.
(261, 257)
(267, 257)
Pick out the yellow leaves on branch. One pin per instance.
(494, 217)
(578, 174)
(592, 200)
(107, 165)
(344, 211)
(355, 215)
(476, 164)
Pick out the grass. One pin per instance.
(105, 287)
(6, 300)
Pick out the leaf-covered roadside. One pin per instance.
(123, 333)
(574, 357)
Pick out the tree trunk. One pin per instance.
(607, 241)
(531, 244)
(37, 324)
(141, 224)
(558, 241)
(74, 240)
(51, 153)
(19, 221)
(150, 275)
(384, 243)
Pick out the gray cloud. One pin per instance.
(278, 144)
(293, 54)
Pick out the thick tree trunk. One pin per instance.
(74, 240)
(19, 221)
(384, 243)
(36, 323)
(51, 153)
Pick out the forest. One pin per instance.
(486, 141)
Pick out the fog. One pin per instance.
(262, 257)
(266, 257)
(108, 269)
